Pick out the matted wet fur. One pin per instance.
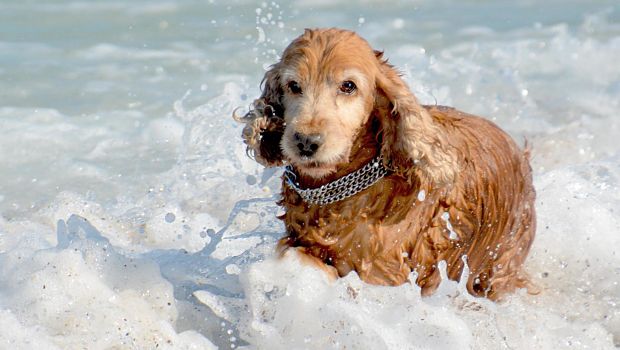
(458, 185)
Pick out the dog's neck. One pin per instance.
(364, 149)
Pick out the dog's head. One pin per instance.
(324, 90)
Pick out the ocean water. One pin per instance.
(131, 217)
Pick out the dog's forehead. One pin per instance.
(332, 52)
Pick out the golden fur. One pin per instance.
(458, 185)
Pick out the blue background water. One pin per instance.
(82, 57)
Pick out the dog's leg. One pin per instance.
(307, 259)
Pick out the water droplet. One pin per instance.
(233, 269)
(421, 195)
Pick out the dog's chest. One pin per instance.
(356, 230)
(380, 236)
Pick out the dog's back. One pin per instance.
(491, 204)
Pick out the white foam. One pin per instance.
(84, 286)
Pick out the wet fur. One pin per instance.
(465, 165)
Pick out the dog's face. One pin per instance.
(316, 100)
(328, 86)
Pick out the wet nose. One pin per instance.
(307, 144)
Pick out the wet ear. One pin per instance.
(272, 90)
(264, 123)
(412, 142)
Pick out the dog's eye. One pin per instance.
(347, 87)
(294, 87)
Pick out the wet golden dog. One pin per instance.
(452, 186)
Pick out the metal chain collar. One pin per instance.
(341, 188)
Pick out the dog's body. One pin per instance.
(457, 186)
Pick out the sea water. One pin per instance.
(131, 217)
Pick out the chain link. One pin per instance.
(341, 188)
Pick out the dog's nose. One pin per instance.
(307, 144)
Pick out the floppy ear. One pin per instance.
(412, 142)
(264, 123)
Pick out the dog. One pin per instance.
(378, 184)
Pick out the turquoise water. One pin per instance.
(119, 112)
(91, 56)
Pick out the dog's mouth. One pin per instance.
(314, 168)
